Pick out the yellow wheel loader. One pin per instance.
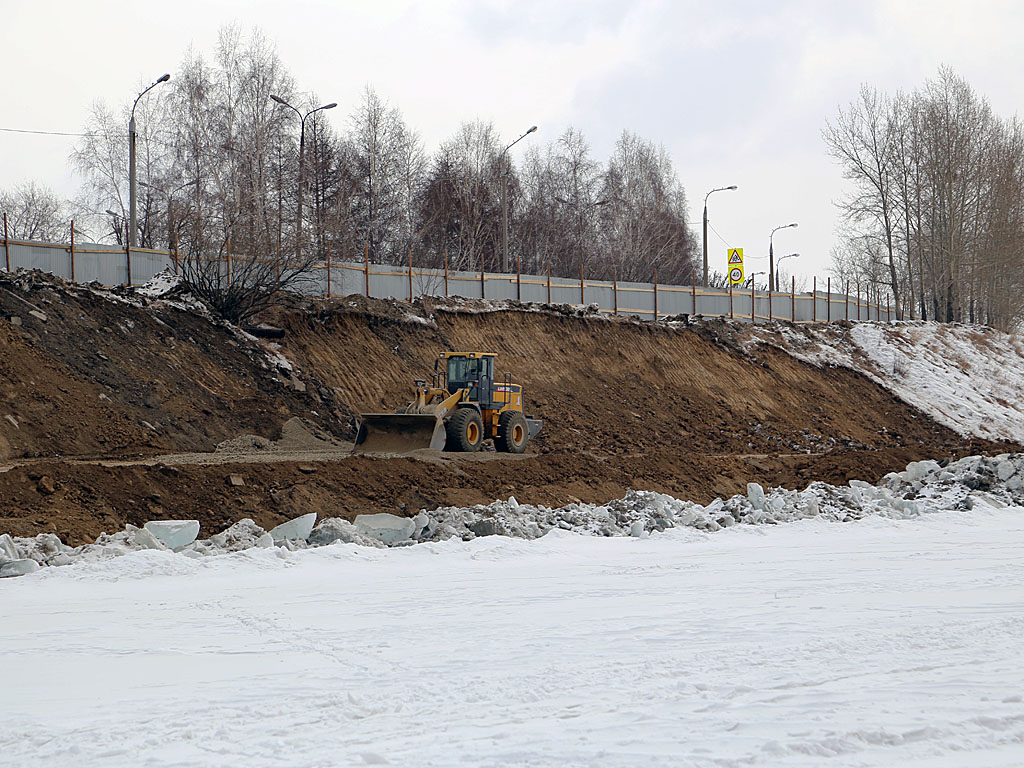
(463, 406)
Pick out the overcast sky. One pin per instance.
(736, 91)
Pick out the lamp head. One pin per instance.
(732, 187)
(332, 105)
(532, 129)
(164, 78)
(278, 99)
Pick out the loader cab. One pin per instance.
(471, 370)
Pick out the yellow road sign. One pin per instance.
(735, 256)
(736, 275)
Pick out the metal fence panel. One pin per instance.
(110, 266)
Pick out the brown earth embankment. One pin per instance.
(681, 409)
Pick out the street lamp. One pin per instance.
(771, 255)
(752, 276)
(504, 198)
(781, 259)
(131, 161)
(716, 189)
(302, 150)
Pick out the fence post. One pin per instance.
(770, 286)
(410, 274)
(483, 288)
(128, 252)
(7, 245)
(446, 273)
(731, 317)
(858, 301)
(814, 300)
(847, 300)
(72, 250)
(615, 290)
(519, 278)
(792, 296)
(655, 295)
(582, 300)
(549, 281)
(753, 318)
(174, 252)
(366, 270)
(229, 259)
(328, 269)
(828, 302)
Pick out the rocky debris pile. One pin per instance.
(925, 486)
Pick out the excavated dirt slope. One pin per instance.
(673, 408)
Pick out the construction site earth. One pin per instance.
(120, 408)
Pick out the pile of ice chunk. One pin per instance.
(924, 487)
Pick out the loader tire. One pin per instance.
(513, 432)
(465, 431)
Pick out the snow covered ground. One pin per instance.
(877, 642)
(965, 377)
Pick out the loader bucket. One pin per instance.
(399, 433)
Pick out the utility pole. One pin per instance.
(302, 164)
(717, 189)
(504, 198)
(131, 162)
(771, 255)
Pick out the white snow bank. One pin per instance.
(885, 643)
(161, 283)
(968, 378)
(924, 487)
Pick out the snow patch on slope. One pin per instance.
(968, 378)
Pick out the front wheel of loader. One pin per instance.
(465, 431)
(513, 432)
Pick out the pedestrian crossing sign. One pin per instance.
(735, 256)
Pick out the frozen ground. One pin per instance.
(877, 642)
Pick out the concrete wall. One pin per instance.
(113, 266)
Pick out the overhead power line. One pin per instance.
(727, 243)
(47, 133)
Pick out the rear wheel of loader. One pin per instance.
(513, 432)
(465, 431)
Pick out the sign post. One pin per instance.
(735, 266)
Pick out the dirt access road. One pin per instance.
(118, 404)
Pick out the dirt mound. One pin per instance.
(691, 410)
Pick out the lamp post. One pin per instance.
(752, 276)
(131, 161)
(716, 189)
(771, 255)
(779, 265)
(504, 198)
(302, 159)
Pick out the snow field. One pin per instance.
(874, 643)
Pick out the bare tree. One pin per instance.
(863, 140)
(644, 214)
(35, 212)
(937, 190)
